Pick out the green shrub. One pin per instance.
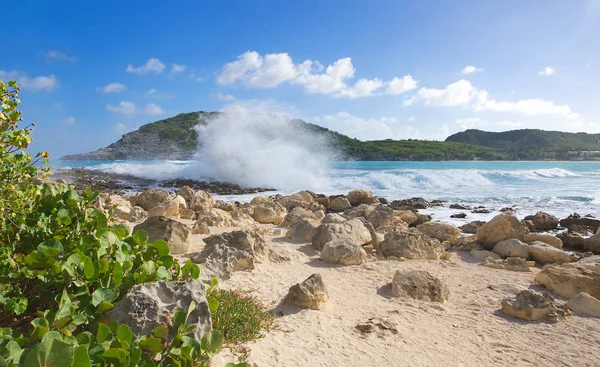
(241, 317)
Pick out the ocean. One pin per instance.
(559, 188)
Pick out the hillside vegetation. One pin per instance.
(176, 138)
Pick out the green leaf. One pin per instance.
(64, 216)
(213, 304)
(116, 355)
(162, 332)
(82, 358)
(50, 248)
(51, 335)
(140, 237)
(195, 272)
(162, 247)
(163, 274)
(89, 270)
(103, 333)
(152, 344)
(104, 307)
(108, 239)
(103, 295)
(3, 362)
(124, 333)
(178, 320)
(121, 230)
(117, 274)
(212, 342)
(50, 353)
(72, 198)
(65, 306)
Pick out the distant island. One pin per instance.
(175, 138)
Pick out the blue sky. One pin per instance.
(92, 71)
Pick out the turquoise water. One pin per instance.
(559, 187)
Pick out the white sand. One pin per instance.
(467, 330)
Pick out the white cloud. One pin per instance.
(152, 65)
(176, 68)
(470, 69)
(112, 88)
(225, 97)
(151, 92)
(36, 84)
(268, 71)
(411, 119)
(125, 107)
(463, 93)
(54, 55)
(154, 93)
(153, 110)
(469, 122)
(69, 120)
(357, 127)
(547, 71)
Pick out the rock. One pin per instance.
(323, 200)
(482, 254)
(471, 228)
(200, 228)
(343, 251)
(543, 221)
(302, 231)
(232, 251)
(501, 227)
(529, 225)
(381, 216)
(363, 210)
(187, 193)
(467, 243)
(333, 218)
(571, 240)
(585, 305)
(545, 238)
(459, 207)
(417, 203)
(568, 280)
(215, 218)
(512, 248)
(407, 216)
(269, 212)
(353, 230)
(511, 263)
(357, 197)
(172, 208)
(158, 211)
(440, 231)
(310, 294)
(530, 305)
(175, 233)
(580, 229)
(421, 218)
(339, 204)
(508, 288)
(543, 253)
(481, 211)
(572, 219)
(376, 325)
(242, 220)
(298, 214)
(419, 284)
(187, 214)
(592, 243)
(411, 244)
(121, 208)
(202, 202)
(509, 210)
(151, 198)
(458, 216)
(137, 214)
(149, 305)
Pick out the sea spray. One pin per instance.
(255, 147)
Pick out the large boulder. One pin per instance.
(149, 305)
(202, 202)
(576, 219)
(440, 231)
(419, 284)
(302, 231)
(472, 227)
(417, 203)
(310, 294)
(339, 204)
(297, 214)
(584, 304)
(545, 238)
(543, 253)
(137, 214)
(411, 244)
(352, 229)
(363, 210)
(512, 248)
(269, 212)
(510, 263)
(543, 221)
(118, 206)
(571, 240)
(381, 216)
(187, 193)
(215, 218)
(232, 251)
(568, 280)
(175, 233)
(501, 227)
(333, 218)
(530, 305)
(150, 198)
(406, 216)
(357, 197)
(343, 251)
(592, 243)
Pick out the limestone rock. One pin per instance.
(501, 227)
(148, 305)
(339, 204)
(172, 208)
(363, 210)
(377, 325)
(508, 288)
(151, 198)
(417, 203)
(530, 305)
(187, 214)
(343, 251)
(510, 263)
(302, 231)
(482, 254)
(187, 193)
(333, 218)
(440, 231)
(202, 202)
(419, 284)
(297, 214)
(512, 248)
(269, 212)
(310, 294)
(380, 216)
(406, 216)
(175, 233)
(472, 227)
(411, 244)
(200, 228)
(543, 221)
(215, 218)
(158, 211)
(545, 238)
(357, 197)
(584, 304)
(466, 243)
(571, 240)
(592, 243)
(137, 214)
(353, 230)
(543, 253)
(576, 219)
(568, 280)
(119, 207)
